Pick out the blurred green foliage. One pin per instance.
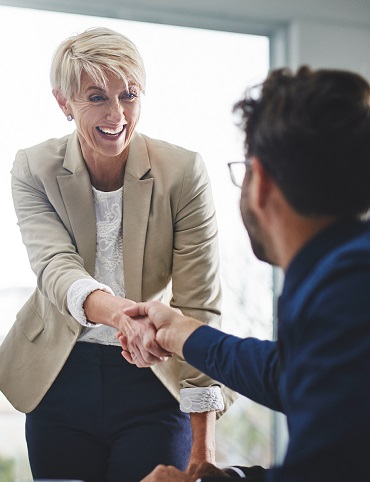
(7, 469)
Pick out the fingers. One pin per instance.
(143, 360)
(123, 340)
(205, 469)
(167, 474)
(138, 340)
(150, 345)
(139, 355)
(126, 355)
(139, 309)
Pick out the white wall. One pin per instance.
(324, 44)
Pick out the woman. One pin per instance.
(109, 217)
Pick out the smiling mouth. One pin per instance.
(111, 132)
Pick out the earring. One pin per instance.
(69, 118)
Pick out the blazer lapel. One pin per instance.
(137, 194)
(79, 203)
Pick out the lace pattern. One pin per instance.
(108, 266)
(201, 399)
(109, 241)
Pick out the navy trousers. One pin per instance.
(104, 420)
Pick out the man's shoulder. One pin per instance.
(351, 255)
(335, 281)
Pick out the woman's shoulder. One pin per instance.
(169, 161)
(46, 157)
(54, 144)
(165, 157)
(45, 160)
(159, 147)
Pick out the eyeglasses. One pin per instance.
(237, 171)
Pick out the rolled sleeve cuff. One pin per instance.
(77, 294)
(201, 399)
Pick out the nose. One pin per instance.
(116, 111)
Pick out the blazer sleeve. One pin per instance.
(50, 245)
(195, 273)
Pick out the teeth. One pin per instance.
(106, 130)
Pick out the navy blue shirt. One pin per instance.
(318, 370)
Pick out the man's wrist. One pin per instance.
(178, 333)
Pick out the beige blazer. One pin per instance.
(169, 252)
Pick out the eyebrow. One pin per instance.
(95, 87)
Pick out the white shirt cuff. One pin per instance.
(237, 471)
(77, 294)
(201, 399)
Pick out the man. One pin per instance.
(304, 197)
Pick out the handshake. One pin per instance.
(151, 332)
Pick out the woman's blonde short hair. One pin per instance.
(96, 51)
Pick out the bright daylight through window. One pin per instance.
(194, 77)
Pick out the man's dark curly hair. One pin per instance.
(311, 131)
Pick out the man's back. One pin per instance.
(318, 372)
(324, 352)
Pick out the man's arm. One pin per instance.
(248, 366)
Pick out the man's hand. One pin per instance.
(164, 473)
(205, 469)
(173, 328)
(139, 346)
(138, 335)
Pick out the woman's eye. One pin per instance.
(96, 98)
(129, 95)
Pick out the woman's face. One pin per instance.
(105, 117)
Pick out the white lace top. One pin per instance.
(108, 276)
(108, 266)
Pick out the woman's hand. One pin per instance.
(138, 335)
(139, 346)
(172, 327)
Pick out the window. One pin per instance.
(194, 77)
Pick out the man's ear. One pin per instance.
(262, 182)
(62, 101)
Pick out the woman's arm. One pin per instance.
(44, 224)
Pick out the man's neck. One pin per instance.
(294, 232)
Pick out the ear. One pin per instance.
(62, 101)
(263, 183)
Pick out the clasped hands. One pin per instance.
(138, 338)
(152, 332)
(163, 473)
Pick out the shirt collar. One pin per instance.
(316, 248)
